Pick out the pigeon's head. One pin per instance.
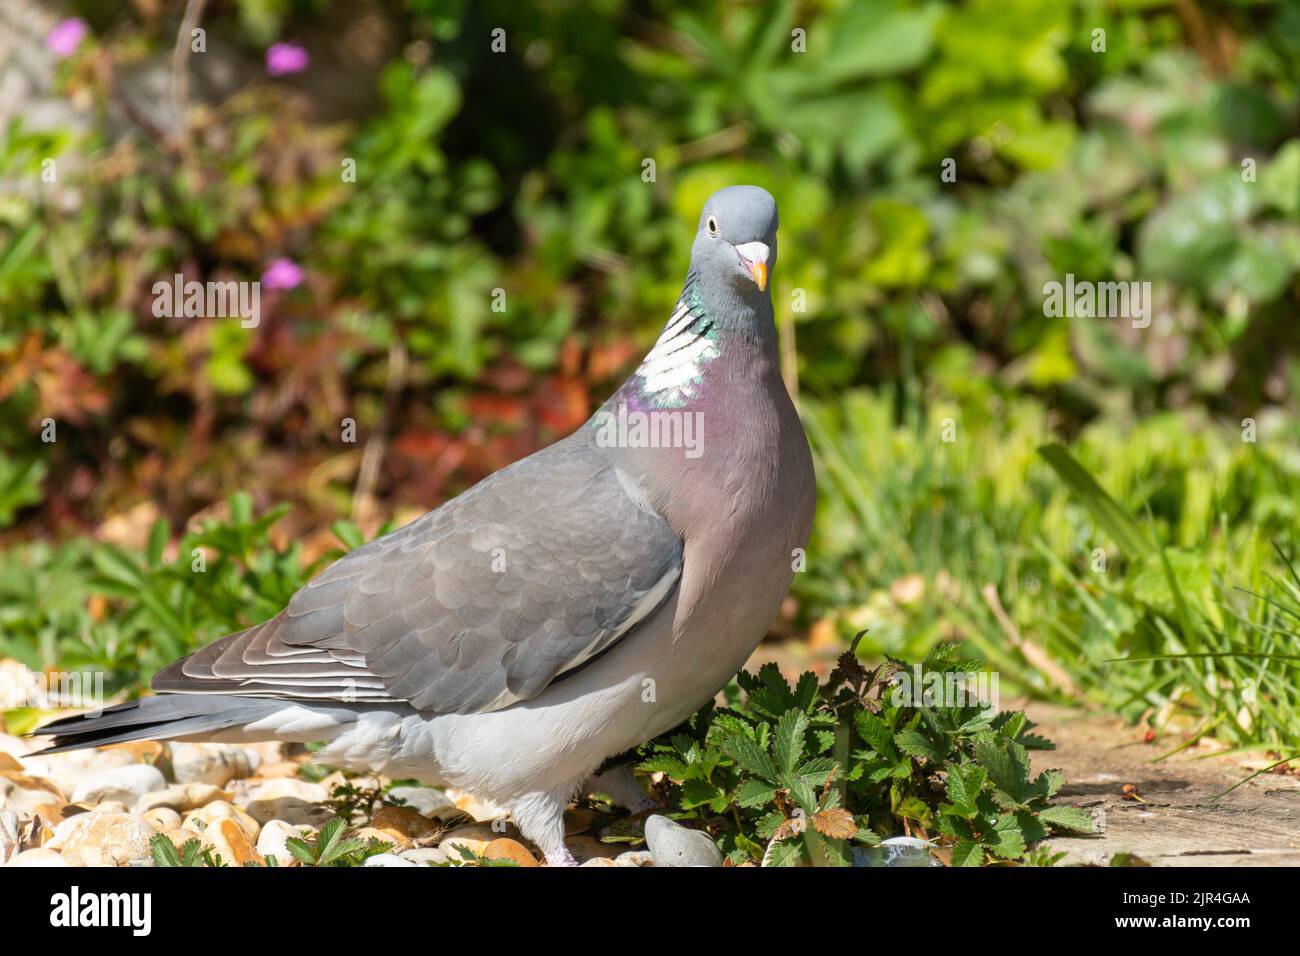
(736, 242)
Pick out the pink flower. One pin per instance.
(64, 39)
(283, 58)
(282, 274)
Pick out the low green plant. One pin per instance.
(464, 856)
(227, 575)
(190, 853)
(800, 774)
(329, 848)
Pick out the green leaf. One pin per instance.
(918, 745)
(349, 534)
(1006, 840)
(749, 756)
(301, 850)
(1049, 783)
(876, 733)
(696, 793)
(1007, 764)
(158, 536)
(788, 742)
(755, 793)
(666, 764)
(1114, 520)
(163, 851)
(913, 808)
(1066, 818)
(786, 853)
(963, 787)
(967, 853)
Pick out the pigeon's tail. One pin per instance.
(160, 717)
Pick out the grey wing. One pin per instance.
(475, 606)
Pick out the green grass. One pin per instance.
(1149, 563)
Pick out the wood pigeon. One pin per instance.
(564, 609)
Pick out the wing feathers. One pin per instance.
(475, 606)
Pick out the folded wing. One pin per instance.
(475, 606)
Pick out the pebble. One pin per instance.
(198, 821)
(484, 811)
(634, 858)
(8, 835)
(107, 806)
(23, 794)
(269, 751)
(424, 855)
(124, 784)
(38, 857)
(102, 839)
(395, 840)
(277, 789)
(405, 822)
(895, 852)
(598, 861)
(672, 844)
(54, 813)
(40, 831)
(182, 797)
(274, 840)
(295, 801)
(216, 764)
(145, 751)
(425, 800)
(228, 839)
(291, 810)
(474, 837)
(578, 820)
(66, 770)
(388, 859)
(513, 850)
(283, 768)
(162, 819)
(586, 848)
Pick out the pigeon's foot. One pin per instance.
(621, 786)
(561, 857)
(540, 817)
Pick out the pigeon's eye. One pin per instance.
(712, 225)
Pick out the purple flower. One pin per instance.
(283, 58)
(282, 274)
(64, 39)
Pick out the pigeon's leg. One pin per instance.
(620, 783)
(540, 817)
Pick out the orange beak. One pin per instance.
(755, 255)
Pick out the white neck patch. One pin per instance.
(674, 368)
